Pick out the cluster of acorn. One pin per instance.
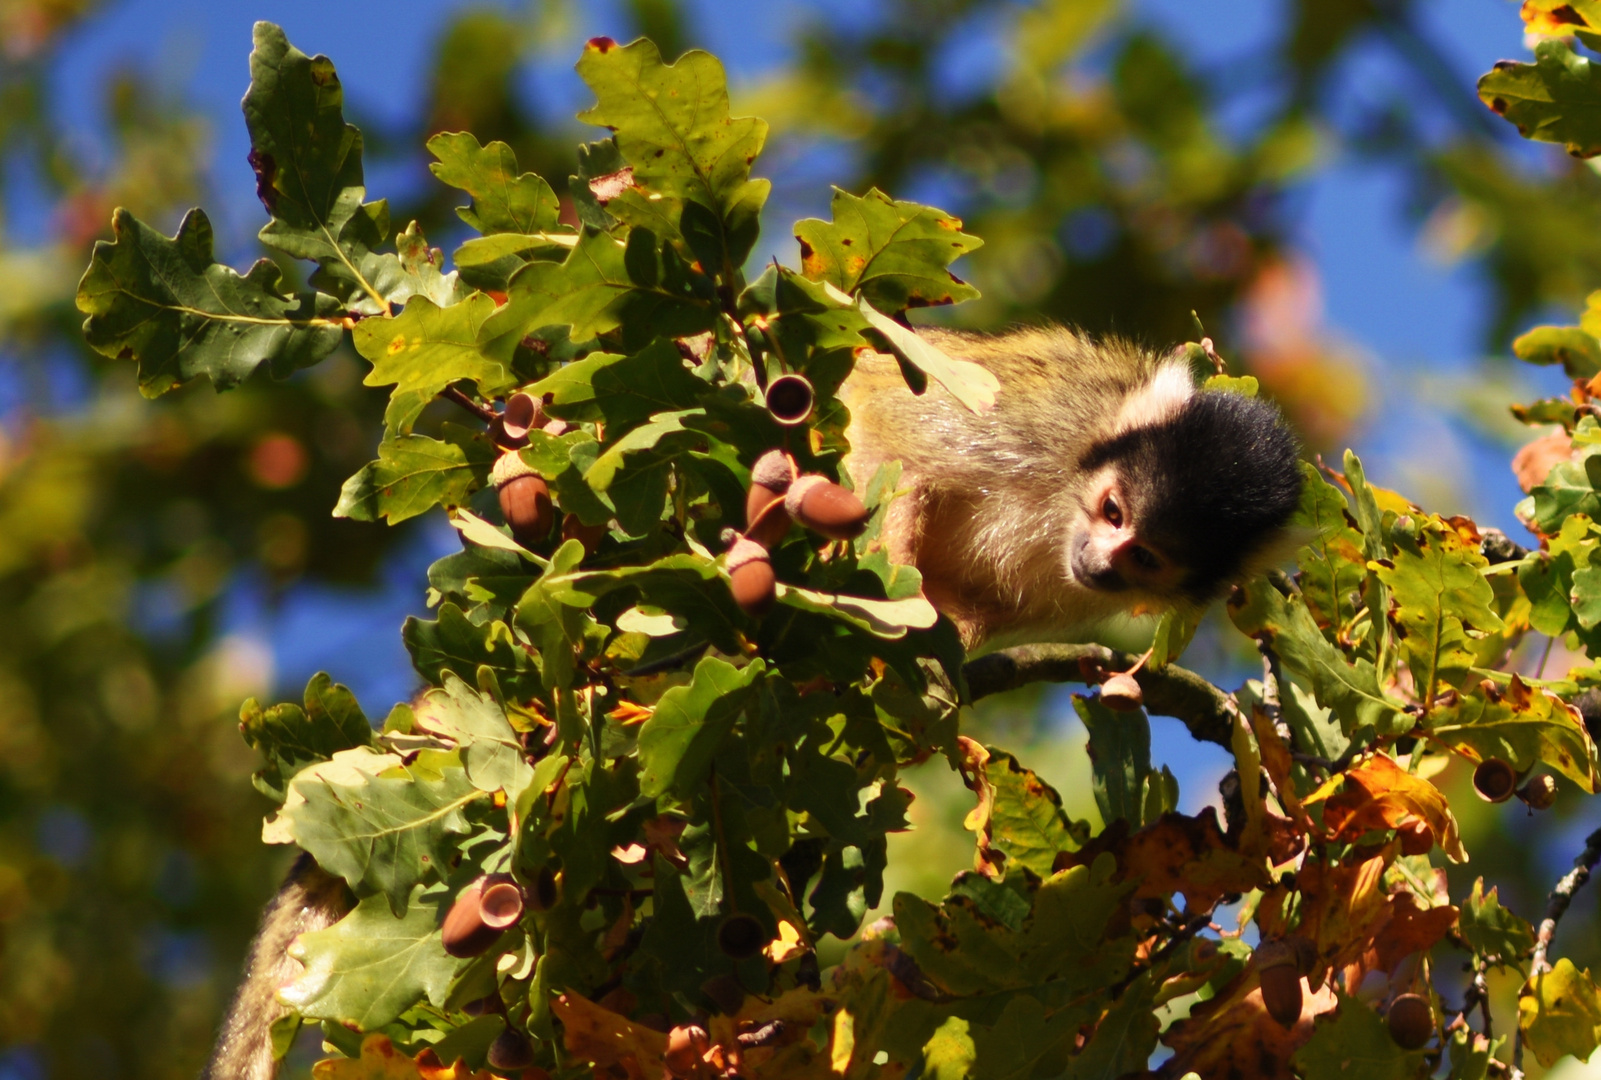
(779, 493)
(1282, 968)
(525, 500)
(481, 913)
(1496, 781)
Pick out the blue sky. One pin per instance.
(1409, 316)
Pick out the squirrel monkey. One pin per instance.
(1103, 482)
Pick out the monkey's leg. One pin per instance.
(309, 899)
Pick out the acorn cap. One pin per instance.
(1122, 692)
(741, 936)
(509, 467)
(772, 471)
(1411, 1021)
(500, 903)
(790, 399)
(744, 552)
(1494, 780)
(826, 508)
(466, 931)
(522, 413)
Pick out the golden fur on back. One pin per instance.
(993, 496)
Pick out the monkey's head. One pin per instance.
(1177, 507)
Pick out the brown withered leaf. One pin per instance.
(1175, 853)
(1342, 909)
(1233, 1035)
(604, 1039)
(380, 1060)
(1276, 760)
(1410, 929)
(1379, 794)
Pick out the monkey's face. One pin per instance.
(1108, 551)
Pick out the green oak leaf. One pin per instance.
(1350, 688)
(1521, 726)
(1438, 597)
(452, 646)
(414, 473)
(382, 832)
(1333, 564)
(1124, 1039)
(482, 581)
(673, 127)
(604, 284)
(423, 350)
(678, 742)
(971, 945)
(893, 254)
(290, 738)
(1560, 1013)
(1470, 1054)
(622, 391)
(309, 173)
(1120, 755)
(1492, 930)
(1555, 99)
(504, 200)
(1355, 1043)
(1575, 351)
(1547, 577)
(167, 305)
(1026, 820)
(490, 747)
(370, 967)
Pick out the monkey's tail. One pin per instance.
(310, 899)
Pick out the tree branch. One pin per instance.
(1169, 691)
(1556, 905)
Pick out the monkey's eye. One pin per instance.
(1112, 513)
(1144, 557)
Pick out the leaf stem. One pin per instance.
(483, 412)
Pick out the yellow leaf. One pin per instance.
(1560, 1013)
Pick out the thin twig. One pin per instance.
(1556, 905)
(1168, 691)
(483, 412)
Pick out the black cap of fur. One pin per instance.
(1211, 485)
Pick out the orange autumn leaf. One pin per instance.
(380, 1060)
(1341, 908)
(1234, 1035)
(605, 1039)
(1378, 794)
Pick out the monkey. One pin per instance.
(1102, 483)
(309, 899)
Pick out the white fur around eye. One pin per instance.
(1158, 399)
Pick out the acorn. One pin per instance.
(1281, 981)
(1411, 1021)
(481, 914)
(766, 523)
(573, 528)
(511, 1051)
(1494, 780)
(741, 937)
(826, 508)
(524, 499)
(751, 577)
(1416, 838)
(1122, 692)
(1540, 792)
(521, 414)
(725, 992)
(790, 398)
(545, 891)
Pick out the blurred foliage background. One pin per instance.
(1119, 185)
